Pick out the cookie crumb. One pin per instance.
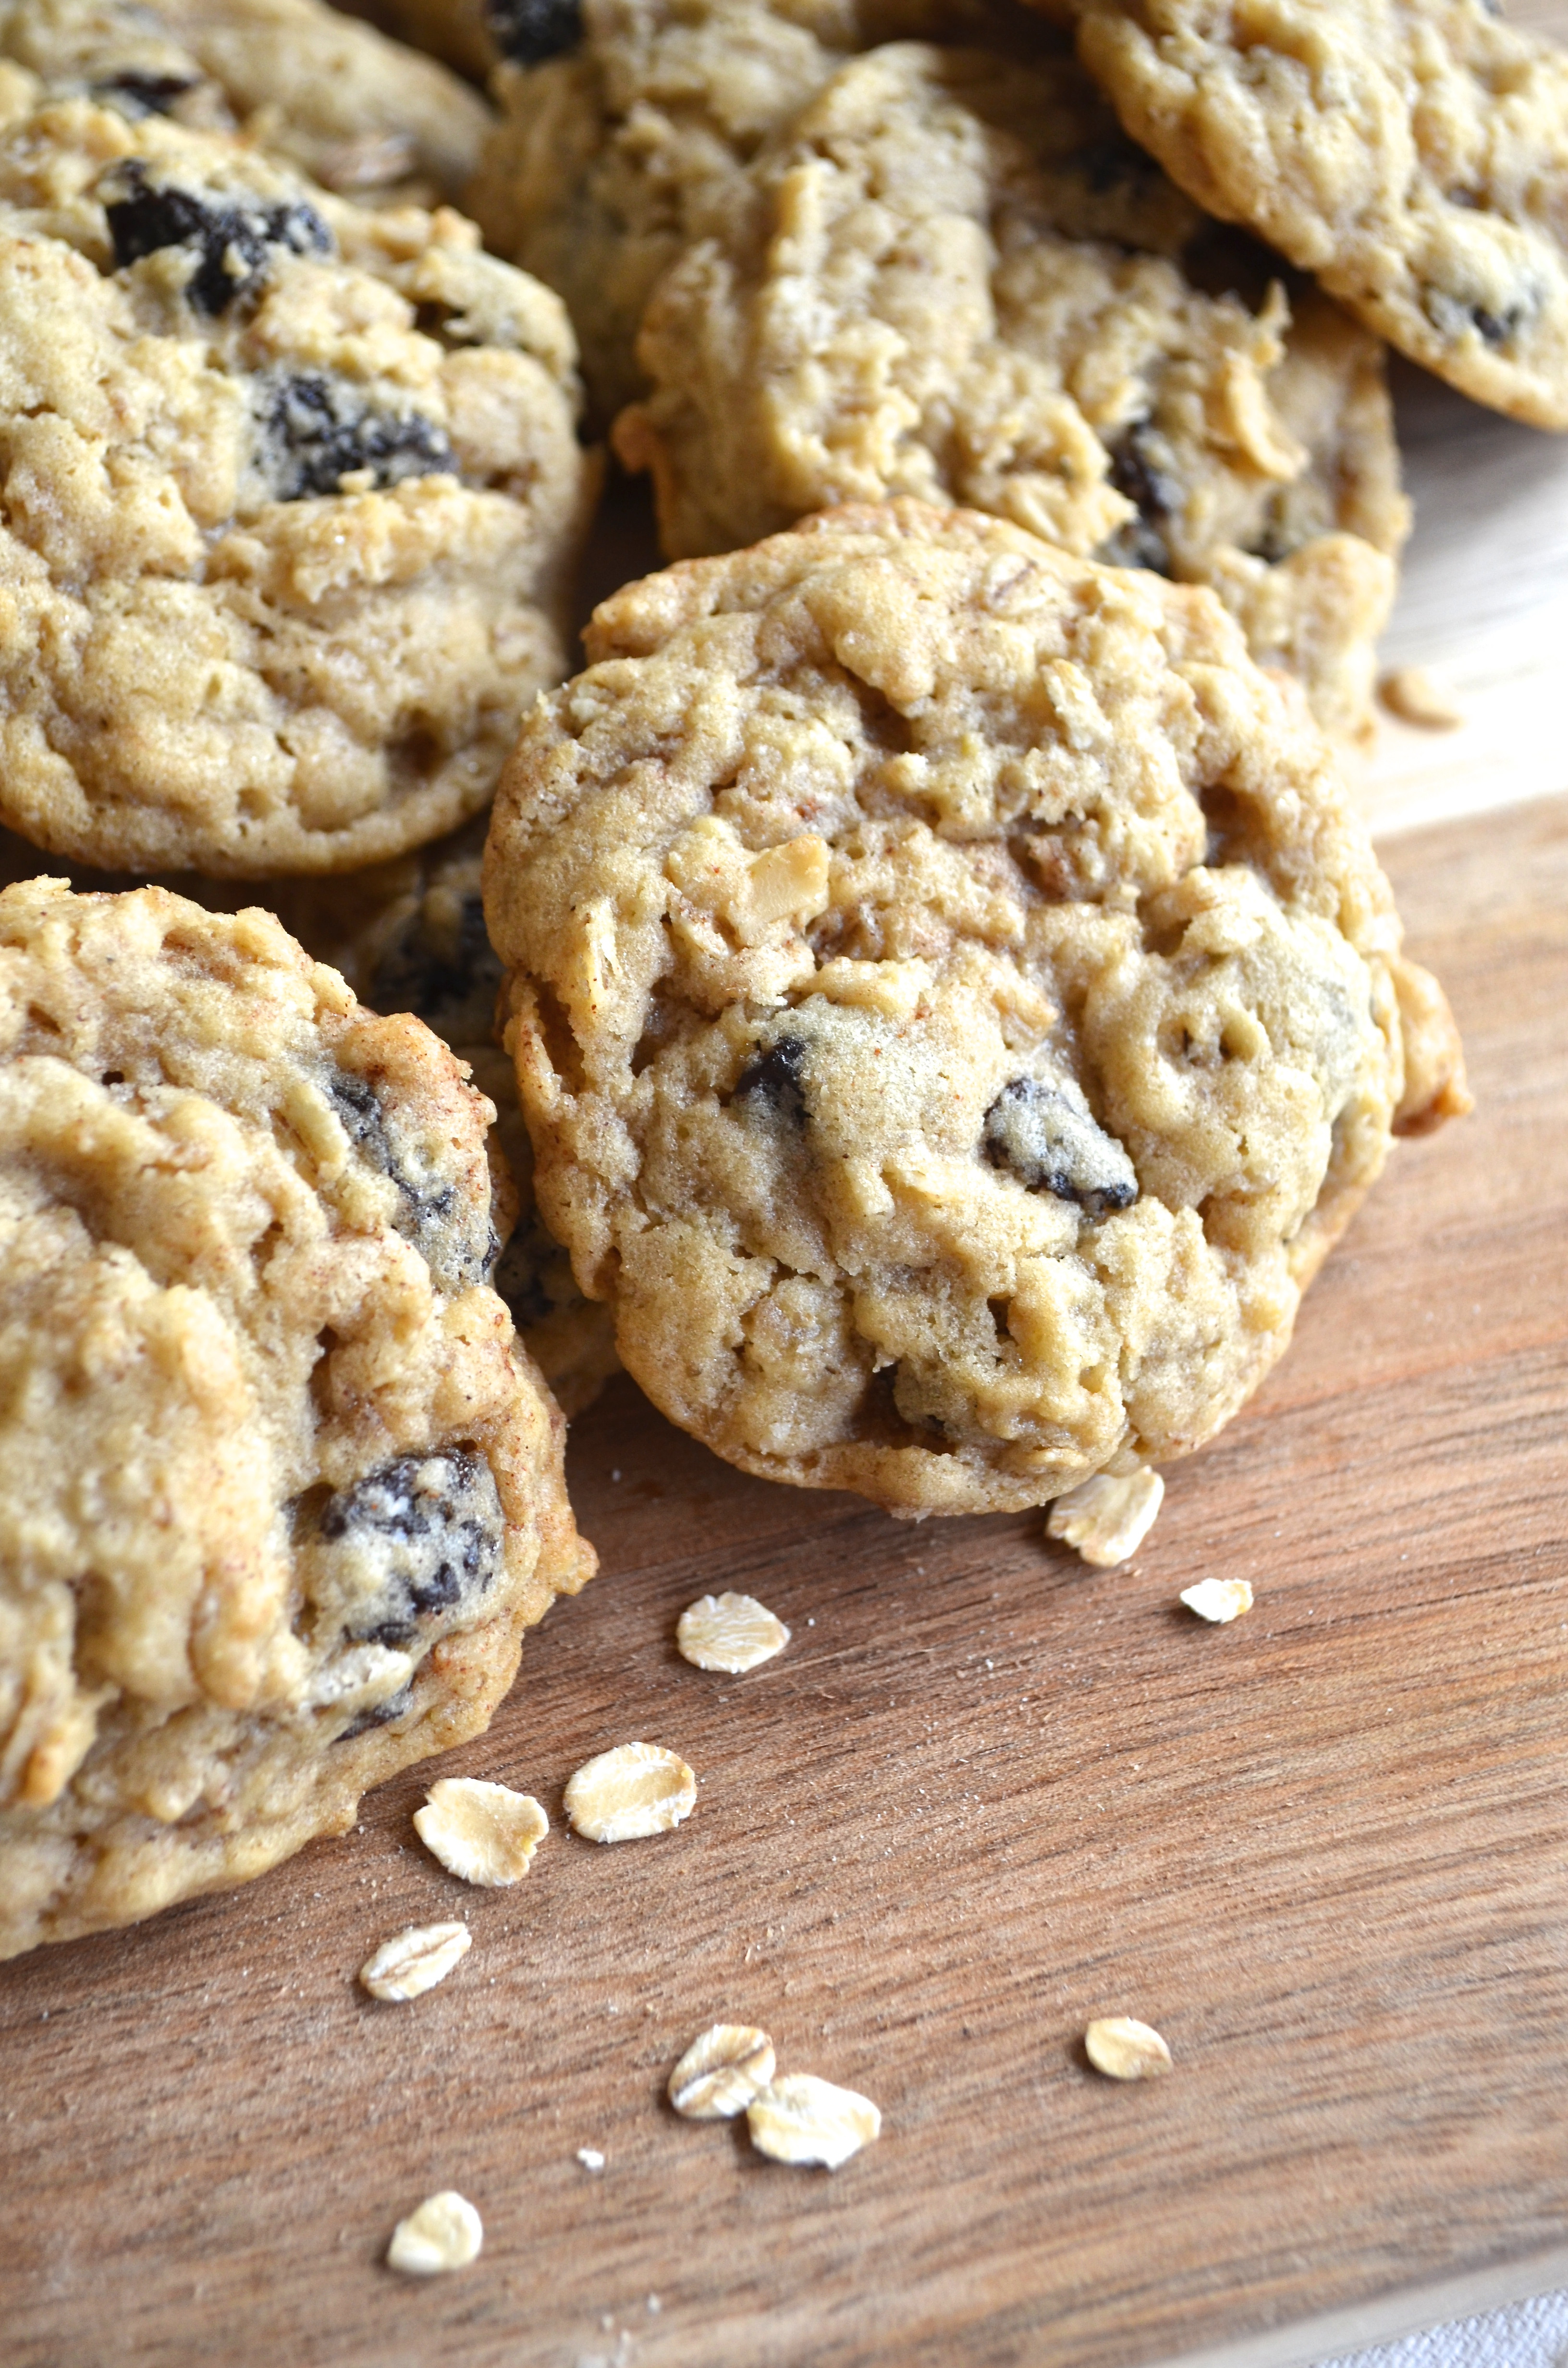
(1125, 2050)
(801, 2119)
(446, 2233)
(624, 1794)
(483, 1833)
(1219, 1600)
(414, 1960)
(1419, 697)
(590, 2158)
(1106, 1520)
(729, 1631)
(721, 2071)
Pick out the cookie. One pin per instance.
(333, 96)
(425, 950)
(954, 1005)
(280, 1494)
(479, 35)
(294, 495)
(955, 279)
(1412, 153)
(612, 156)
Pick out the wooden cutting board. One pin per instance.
(984, 1795)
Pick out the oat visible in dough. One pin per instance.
(280, 1496)
(952, 278)
(610, 159)
(848, 844)
(282, 570)
(1414, 153)
(353, 109)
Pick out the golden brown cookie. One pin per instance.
(354, 110)
(952, 278)
(612, 156)
(1414, 153)
(954, 1006)
(281, 1494)
(293, 495)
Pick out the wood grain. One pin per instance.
(984, 1796)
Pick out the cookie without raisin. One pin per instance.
(612, 156)
(953, 278)
(954, 1005)
(294, 495)
(1414, 153)
(280, 1492)
(351, 108)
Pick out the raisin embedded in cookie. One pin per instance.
(292, 497)
(480, 35)
(954, 1006)
(1413, 152)
(424, 949)
(280, 1496)
(610, 157)
(333, 96)
(955, 279)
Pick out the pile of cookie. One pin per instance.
(920, 999)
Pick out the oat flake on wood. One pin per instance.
(635, 1789)
(446, 2233)
(1107, 1520)
(414, 1961)
(801, 2119)
(483, 1833)
(721, 2071)
(729, 1631)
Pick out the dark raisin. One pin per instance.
(441, 966)
(145, 94)
(360, 1108)
(528, 31)
(316, 429)
(379, 1714)
(1497, 328)
(1137, 472)
(773, 1081)
(418, 1539)
(458, 1244)
(1044, 1133)
(233, 241)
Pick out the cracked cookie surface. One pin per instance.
(954, 1007)
(280, 1492)
(1412, 153)
(953, 278)
(611, 157)
(333, 96)
(292, 497)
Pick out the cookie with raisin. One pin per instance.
(281, 1492)
(954, 1003)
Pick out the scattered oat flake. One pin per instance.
(730, 1633)
(1218, 1600)
(414, 1961)
(1107, 1520)
(721, 2072)
(590, 2158)
(1419, 697)
(483, 1833)
(637, 1789)
(801, 2119)
(1125, 2050)
(446, 2233)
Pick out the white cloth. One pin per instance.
(1524, 2335)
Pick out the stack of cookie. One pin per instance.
(949, 1008)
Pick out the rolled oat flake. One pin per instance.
(730, 1632)
(725, 2067)
(483, 1833)
(1125, 2050)
(624, 1794)
(414, 1961)
(801, 2119)
(446, 2233)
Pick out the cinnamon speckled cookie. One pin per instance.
(1413, 152)
(280, 1494)
(613, 155)
(954, 1006)
(292, 497)
(951, 279)
(425, 950)
(353, 109)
